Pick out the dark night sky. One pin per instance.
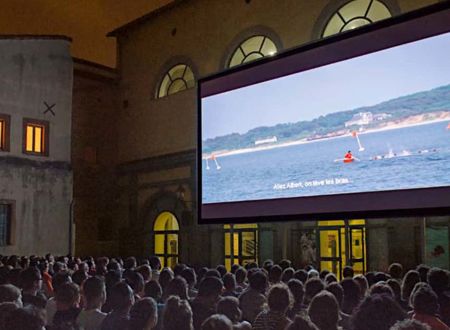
(85, 21)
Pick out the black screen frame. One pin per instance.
(426, 22)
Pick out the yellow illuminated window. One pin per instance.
(177, 79)
(252, 49)
(35, 137)
(354, 14)
(165, 239)
(241, 244)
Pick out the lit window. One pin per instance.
(177, 79)
(4, 132)
(5, 223)
(252, 49)
(165, 237)
(36, 133)
(354, 14)
(241, 244)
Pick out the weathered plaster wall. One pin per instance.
(34, 70)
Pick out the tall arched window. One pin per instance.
(241, 244)
(165, 233)
(177, 79)
(354, 14)
(251, 49)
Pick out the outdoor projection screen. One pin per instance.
(353, 125)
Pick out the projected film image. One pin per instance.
(371, 123)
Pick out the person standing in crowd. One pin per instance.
(67, 307)
(94, 296)
(122, 299)
(279, 300)
(253, 299)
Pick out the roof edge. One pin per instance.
(144, 18)
(35, 37)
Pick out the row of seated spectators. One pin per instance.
(70, 293)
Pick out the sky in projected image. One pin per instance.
(354, 83)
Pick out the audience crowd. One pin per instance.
(112, 293)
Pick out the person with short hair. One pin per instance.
(409, 281)
(67, 306)
(409, 324)
(352, 295)
(204, 305)
(177, 287)
(94, 296)
(58, 280)
(177, 315)
(348, 272)
(253, 299)
(153, 290)
(10, 293)
(217, 322)
(396, 271)
(122, 298)
(275, 274)
(279, 300)
(191, 278)
(241, 277)
(324, 311)
(298, 292)
(229, 306)
(31, 283)
(144, 315)
(312, 287)
(439, 282)
(229, 283)
(425, 306)
(155, 265)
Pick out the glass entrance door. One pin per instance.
(330, 251)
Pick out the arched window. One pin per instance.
(354, 14)
(177, 79)
(251, 49)
(241, 244)
(165, 233)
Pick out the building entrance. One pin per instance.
(342, 243)
(241, 244)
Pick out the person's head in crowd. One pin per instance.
(382, 288)
(31, 280)
(145, 271)
(217, 322)
(267, 264)
(201, 274)
(301, 322)
(68, 296)
(395, 270)
(363, 284)
(312, 273)
(26, 318)
(79, 277)
(210, 288)
(425, 301)
(330, 278)
(189, 275)
(438, 280)
(409, 324)
(229, 283)
(323, 273)
(59, 267)
(396, 288)
(177, 315)
(416, 287)
(84, 267)
(165, 277)
(297, 290)
(409, 281)
(423, 272)
(279, 298)
(94, 293)
(377, 312)
(153, 290)
(336, 290)
(287, 274)
(136, 282)
(241, 276)
(370, 277)
(5, 309)
(176, 287)
(10, 293)
(113, 265)
(348, 272)
(155, 263)
(130, 263)
(178, 269)
(285, 263)
(143, 315)
(222, 270)
(352, 295)
(229, 306)
(213, 273)
(234, 268)
(381, 277)
(251, 265)
(258, 282)
(301, 275)
(275, 274)
(121, 298)
(312, 287)
(324, 311)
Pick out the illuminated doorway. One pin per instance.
(241, 244)
(165, 233)
(342, 243)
